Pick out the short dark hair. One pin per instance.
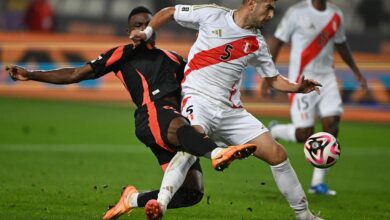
(137, 10)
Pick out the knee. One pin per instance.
(278, 154)
(302, 134)
(332, 128)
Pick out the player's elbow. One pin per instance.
(168, 12)
(75, 77)
(80, 74)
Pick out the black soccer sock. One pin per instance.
(194, 142)
(144, 197)
(184, 197)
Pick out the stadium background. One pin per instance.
(46, 130)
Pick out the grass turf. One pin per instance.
(69, 160)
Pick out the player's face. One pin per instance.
(138, 22)
(262, 12)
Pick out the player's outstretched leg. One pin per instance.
(153, 210)
(199, 144)
(227, 155)
(123, 205)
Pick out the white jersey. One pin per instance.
(312, 34)
(220, 54)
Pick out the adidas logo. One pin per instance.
(217, 32)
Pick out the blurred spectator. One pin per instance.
(373, 13)
(12, 13)
(39, 16)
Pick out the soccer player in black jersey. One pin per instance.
(152, 77)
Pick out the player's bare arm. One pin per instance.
(58, 76)
(346, 55)
(282, 84)
(275, 45)
(161, 18)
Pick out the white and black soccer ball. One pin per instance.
(322, 150)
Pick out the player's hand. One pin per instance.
(308, 85)
(363, 85)
(137, 37)
(266, 89)
(17, 73)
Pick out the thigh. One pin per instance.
(303, 109)
(152, 125)
(330, 103)
(238, 126)
(200, 112)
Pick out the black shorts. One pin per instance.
(151, 123)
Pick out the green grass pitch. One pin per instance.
(69, 160)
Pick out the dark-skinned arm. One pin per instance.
(346, 55)
(57, 76)
(160, 19)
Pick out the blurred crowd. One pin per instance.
(365, 19)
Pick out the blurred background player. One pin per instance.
(39, 16)
(314, 28)
(151, 77)
(227, 41)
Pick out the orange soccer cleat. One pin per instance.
(123, 205)
(153, 210)
(227, 155)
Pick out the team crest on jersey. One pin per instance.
(334, 25)
(185, 9)
(247, 47)
(217, 32)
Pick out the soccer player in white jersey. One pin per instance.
(228, 41)
(314, 28)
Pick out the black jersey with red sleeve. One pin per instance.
(148, 73)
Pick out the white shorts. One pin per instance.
(305, 107)
(223, 124)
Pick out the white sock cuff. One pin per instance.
(134, 200)
(282, 166)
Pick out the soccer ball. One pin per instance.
(322, 150)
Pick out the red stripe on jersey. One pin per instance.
(171, 56)
(115, 56)
(164, 166)
(146, 99)
(120, 76)
(234, 91)
(184, 102)
(232, 51)
(152, 112)
(316, 46)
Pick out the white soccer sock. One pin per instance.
(288, 184)
(134, 200)
(318, 176)
(284, 132)
(215, 152)
(174, 177)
